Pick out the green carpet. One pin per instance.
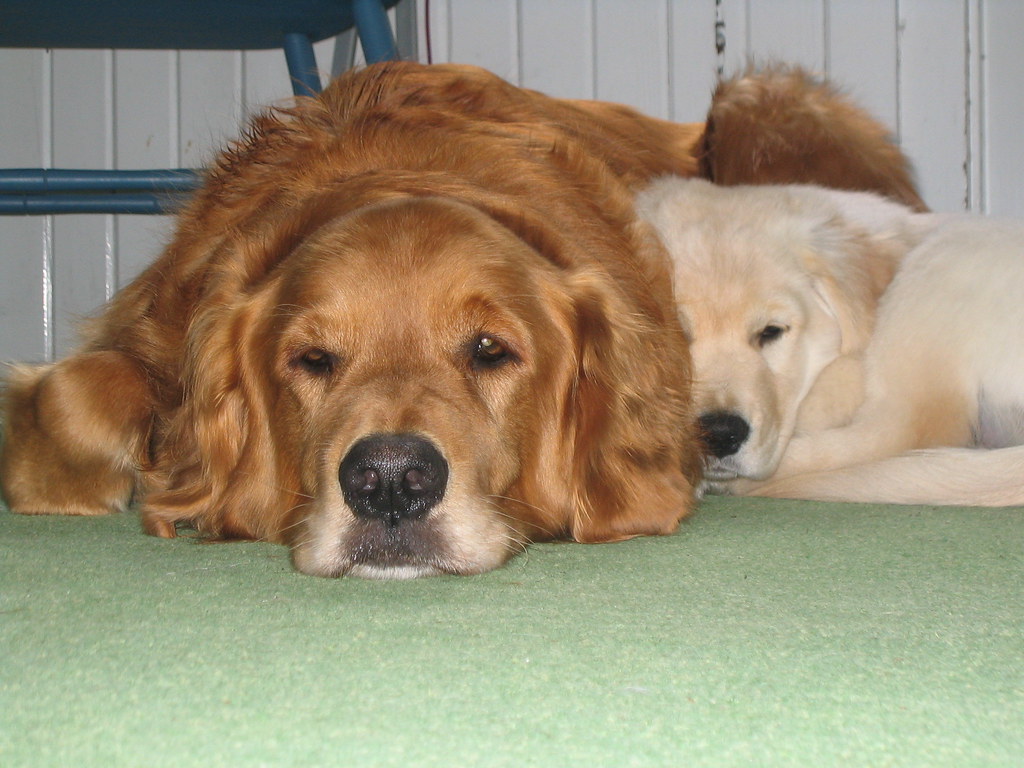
(764, 633)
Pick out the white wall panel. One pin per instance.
(631, 53)
(692, 59)
(148, 128)
(24, 241)
(556, 43)
(933, 89)
(81, 138)
(209, 103)
(946, 75)
(486, 34)
(23, 297)
(82, 112)
(264, 80)
(861, 54)
(146, 94)
(787, 30)
(1001, 152)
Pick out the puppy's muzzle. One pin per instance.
(393, 477)
(723, 432)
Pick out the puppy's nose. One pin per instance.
(723, 432)
(393, 477)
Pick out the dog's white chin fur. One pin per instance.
(392, 573)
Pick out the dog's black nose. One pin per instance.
(393, 477)
(723, 432)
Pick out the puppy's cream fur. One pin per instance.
(851, 333)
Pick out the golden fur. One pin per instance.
(425, 265)
(847, 348)
(781, 126)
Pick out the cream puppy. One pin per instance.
(835, 335)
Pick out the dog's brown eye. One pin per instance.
(317, 361)
(490, 352)
(769, 334)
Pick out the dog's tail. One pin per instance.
(963, 477)
(781, 125)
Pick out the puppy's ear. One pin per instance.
(845, 293)
(76, 435)
(857, 243)
(219, 468)
(635, 461)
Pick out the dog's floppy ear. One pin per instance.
(626, 444)
(220, 471)
(634, 462)
(846, 293)
(857, 242)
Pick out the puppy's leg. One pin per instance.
(76, 435)
(965, 477)
(835, 397)
(886, 426)
(889, 424)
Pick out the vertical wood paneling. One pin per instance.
(265, 80)
(692, 59)
(209, 103)
(974, 168)
(148, 127)
(146, 110)
(556, 44)
(631, 54)
(933, 89)
(1002, 153)
(23, 239)
(485, 34)
(860, 44)
(787, 30)
(83, 245)
(22, 290)
(734, 35)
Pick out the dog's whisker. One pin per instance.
(297, 523)
(283, 489)
(547, 531)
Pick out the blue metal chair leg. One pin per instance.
(43, 191)
(374, 31)
(298, 53)
(375, 35)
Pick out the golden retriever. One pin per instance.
(405, 328)
(835, 335)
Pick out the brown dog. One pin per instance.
(406, 328)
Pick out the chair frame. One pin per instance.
(44, 191)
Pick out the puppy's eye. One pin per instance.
(490, 352)
(316, 361)
(768, 334)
